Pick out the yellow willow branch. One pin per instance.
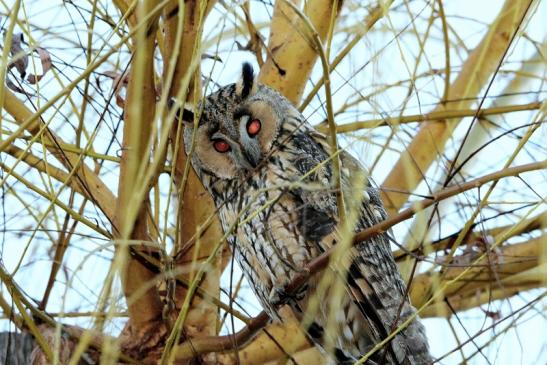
(376, 14)
(529, 225)
(96, 341)
(446, 42)
(477, 70)
(8, 313)
(155, 265)
(291, 55)
(435, 296)
(473, 300)
(32, 121)
(7, 43)
(439, 116)
(183, 33)
(445, 194)
(43, 167)
(309, 355)
(265, 347)
(71, 148)
(131, 216)
(127, 11)
(478, 135)
(95, 189)
(509, 268)
(55, 201)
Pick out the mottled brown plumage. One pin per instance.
(269, 174)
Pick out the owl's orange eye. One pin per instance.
(253, 127)
(221, 145)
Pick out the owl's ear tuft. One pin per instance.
(247, 85)
(186, 113)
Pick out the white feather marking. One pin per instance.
(377, 214)
(347, 333)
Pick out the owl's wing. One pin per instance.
(374, 283)
(372, 261)
(375, 252)
(317, 210)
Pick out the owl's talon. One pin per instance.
(279, 295)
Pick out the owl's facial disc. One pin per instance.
(236, 130)
(224, 145)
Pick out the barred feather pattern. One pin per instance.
(283, 212)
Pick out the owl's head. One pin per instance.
(237, 127)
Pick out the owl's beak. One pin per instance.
(248, 158)
(251, 152)
(243, 163)
(252, 158)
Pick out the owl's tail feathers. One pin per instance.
(411, 346)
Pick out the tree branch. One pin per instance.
(131, 216)
(440, 116)
(88, 181)
(291, 55)
(183, 32)
(496, 275)
(477, 70)
(529, 225)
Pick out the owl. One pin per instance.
(270, 175)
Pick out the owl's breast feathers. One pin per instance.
(289, 217)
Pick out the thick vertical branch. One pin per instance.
(432, 136)
(126, 9)
(195, 204)
(131, 218)
(291, 56)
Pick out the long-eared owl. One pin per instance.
(270, 174)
